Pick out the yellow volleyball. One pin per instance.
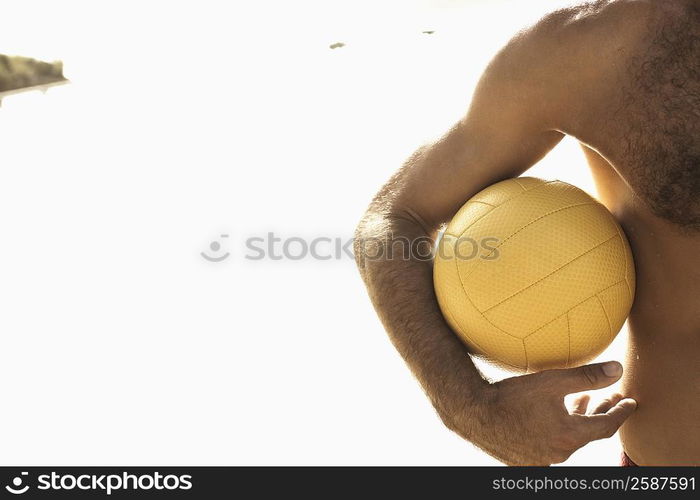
(533, 275)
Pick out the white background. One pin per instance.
(186, 120)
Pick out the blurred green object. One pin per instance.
(19, 72)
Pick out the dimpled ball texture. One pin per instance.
(534, 275)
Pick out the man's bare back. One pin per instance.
(622, 77)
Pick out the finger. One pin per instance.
(606, 424)
(607, 403)
(585, 378)
(580, 405)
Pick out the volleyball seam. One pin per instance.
(568, 334)
(625, 245)
(572, 308)
(560, 209)
(515, 179)
(462, 333)
(464, 290)
(496, 207)
(606, 316)
(550, 274)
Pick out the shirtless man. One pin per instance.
(623, 78)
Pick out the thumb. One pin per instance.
(587, 377)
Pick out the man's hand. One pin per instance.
(523, 420)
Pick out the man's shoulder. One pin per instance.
(612, 18)
(590, 41)
(574, 44)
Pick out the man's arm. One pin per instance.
(511, 124)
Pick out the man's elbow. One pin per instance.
(391, 234)
(369, 234)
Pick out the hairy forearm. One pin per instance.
(401, 290)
